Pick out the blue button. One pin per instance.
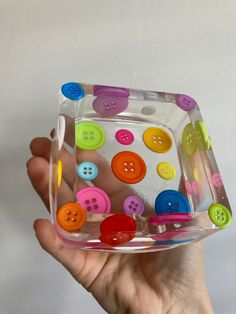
(171, 202)
(87, 170)
(72, 91)
(172, 242)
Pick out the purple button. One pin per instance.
(110, 91)
(133, 205)
(109, 105)
(124, 137)
(185, 102)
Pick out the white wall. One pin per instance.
(177, 46)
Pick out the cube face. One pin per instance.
(133, 171)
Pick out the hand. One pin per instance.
(169, 281)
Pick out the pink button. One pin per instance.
(124, 137)
(217, 181)
(196, 188)
(169, 219)
(133, 205)
(109, 105)
(94, 200)
(188, 187)
(101, 90)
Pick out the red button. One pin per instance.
(117, 229)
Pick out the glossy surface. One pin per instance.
(157, 140)
(71, 217)
(170, 202)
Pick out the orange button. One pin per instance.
(128, 167)
(157, 140)
(71, 217)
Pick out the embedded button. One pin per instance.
(71, 217)
(157, 140)
(117, 229)
(109, 105)
(189, 144)
(124, 137)
(102, 90)
(201, 136)
(196, 188)
(162, 219)
(188, 187)
(186, 103)
(128, 167)
(171, 202)
(72, 91)
(89, 135)
(166, 170)
(217, 181)
(87, 170)
(220, 215)
(94, 200)
(133, 205)
(59, 173)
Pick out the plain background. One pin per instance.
(175, 46)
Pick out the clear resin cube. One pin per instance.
(133, 171)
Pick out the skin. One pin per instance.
(171, 281)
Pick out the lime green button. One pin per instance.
(166, 170)
(201, 136)
(89, 135)
(220, 215)
(189, 144)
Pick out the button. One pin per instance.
(124, 137)
(196, 188)
(133, 205)
(87, 170)
(61, 127)
(186, 103)
(189, 144)
(59, 173)
(217, 181)
(101, 90)
(201, 136)
(72, 91)
(220, 215)
(157, 140)
(117, 229)
(171, 202)
(71, 217)
(128, 167)
(166, 170)
(109, 105)
(162, 219)
(89, 135)
(94, 200)
(188, 187)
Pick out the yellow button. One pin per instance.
(166, 170)
(59, 172)
(189, 144)
(157, 140)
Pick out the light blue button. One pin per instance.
(72, 91)
(87, 170)
(171, 202)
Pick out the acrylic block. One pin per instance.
(133, 171)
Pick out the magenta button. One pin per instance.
(109, 105)
(133, 205)
(217, 181)
(188, 187)
(185, 102)
(110, 91)
(196, 188)
(94, 200)
(124, 137)
(169, 219)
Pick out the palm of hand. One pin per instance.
(122, 283)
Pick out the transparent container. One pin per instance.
(133, 171)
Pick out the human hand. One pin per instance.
(170, 281)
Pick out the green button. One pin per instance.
(201, 136)
(189, 144)
(220, 215)
(89, 135)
